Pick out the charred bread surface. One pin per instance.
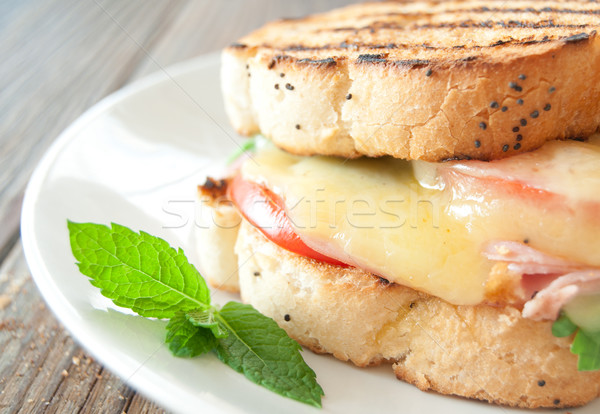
(420, 80)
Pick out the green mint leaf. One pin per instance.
(137, 271)
(247, 145)
(563, 326)
(206, 319)
(187, 340)
(587, 346)
(143, 273)
(263, 352)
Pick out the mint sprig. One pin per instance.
(586, 345)
(143, 273)
(264, 353)
(207, 319)
(188, 340)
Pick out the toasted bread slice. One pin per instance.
(482, 352)
(420, 80)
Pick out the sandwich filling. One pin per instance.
(522, 230)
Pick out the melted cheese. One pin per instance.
(374, 213)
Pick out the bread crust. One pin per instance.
(481, 352)
(420, 80)
(217, 226)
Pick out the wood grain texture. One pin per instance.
(41, 367)
(60, 57)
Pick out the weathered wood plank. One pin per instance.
(41, 368)
(141, 405)
(28, 336)
(58, 59)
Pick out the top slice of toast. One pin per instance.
(428, 80)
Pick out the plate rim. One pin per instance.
(31, 249)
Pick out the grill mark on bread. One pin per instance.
(366, 58)
(415, 63)
(500, 42)
(371, 58)
(482, 10)
(487, 24)
(464, 24)
(578, 37)
(327, 62)
(507, 25)
(236, 45)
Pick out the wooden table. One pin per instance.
(58, 58)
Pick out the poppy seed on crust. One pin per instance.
(515, 86)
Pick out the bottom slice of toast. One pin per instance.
(483, 352)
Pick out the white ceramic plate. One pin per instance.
(135, 159)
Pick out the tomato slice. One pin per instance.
(265, 210)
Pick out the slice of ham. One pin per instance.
(548, 171)
(547, 303)
(524, 259)
(552, 281)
